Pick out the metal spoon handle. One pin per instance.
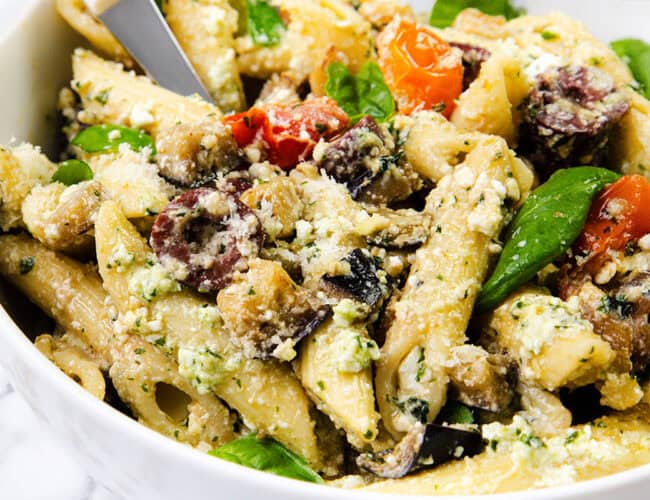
(141, 28)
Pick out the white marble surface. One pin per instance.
(33, 464)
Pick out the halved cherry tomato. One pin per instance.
(288, 133)
(619, 215)
(421, 70)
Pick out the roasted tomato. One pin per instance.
(421, 70)
(288, 133)
(620, 215)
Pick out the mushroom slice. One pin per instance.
(361, 283)
(267, 314)
(191, 153)
(480, 379)
(424, 446)
(400, 229)
(357, 157)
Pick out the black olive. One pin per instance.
(203, 248)
(473, 59)
(568, 118)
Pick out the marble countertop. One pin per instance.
(33, 464)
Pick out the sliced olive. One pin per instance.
(204, 236)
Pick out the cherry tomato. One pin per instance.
(421, 70)
(619, 215)
(245, 126)
(288, 133)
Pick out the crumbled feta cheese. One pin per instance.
(151, 282)
(644, 242)
(204, 367)
(541, 318)
(354, 351)
(141, 116)
(348, 311)
(304, 231)
(209, 315)
(120, 259)
(542, 64)
(285, 351)
(114, 135)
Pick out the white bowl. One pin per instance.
(120, 453)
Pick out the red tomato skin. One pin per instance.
(245, 126)
(289, 133)
(630, 196)
(421, 70)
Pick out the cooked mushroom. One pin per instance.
(366, 161)
(204, 236)
(424, 446)
(620, 316)
(277, 204)
(480, 379)
(399, 229)
(190, 153)
(361, 283)
(62, 217)
(267, 314)
(568, 118)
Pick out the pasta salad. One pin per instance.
(396, 253)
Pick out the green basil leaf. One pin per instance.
(72, 172)
(264, 23)
(546, 226)
(266, 455)
(636, 54)
(444, 12)
(107, 138)
(456, 413)
(360, 95)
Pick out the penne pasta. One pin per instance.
(432, 313)
(205, 29)
(149, 302)
(130, 100)
(73, 295)
(553, 345)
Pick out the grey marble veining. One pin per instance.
(33, 465)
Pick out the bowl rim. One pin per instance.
(172, 450)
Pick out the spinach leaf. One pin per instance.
(266, 455)
(445, 11)
(546, 226)
(264, 23)
(365, 93)
(636, 54)
(107, 138)
(72, 172)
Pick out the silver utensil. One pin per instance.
(142, 30)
